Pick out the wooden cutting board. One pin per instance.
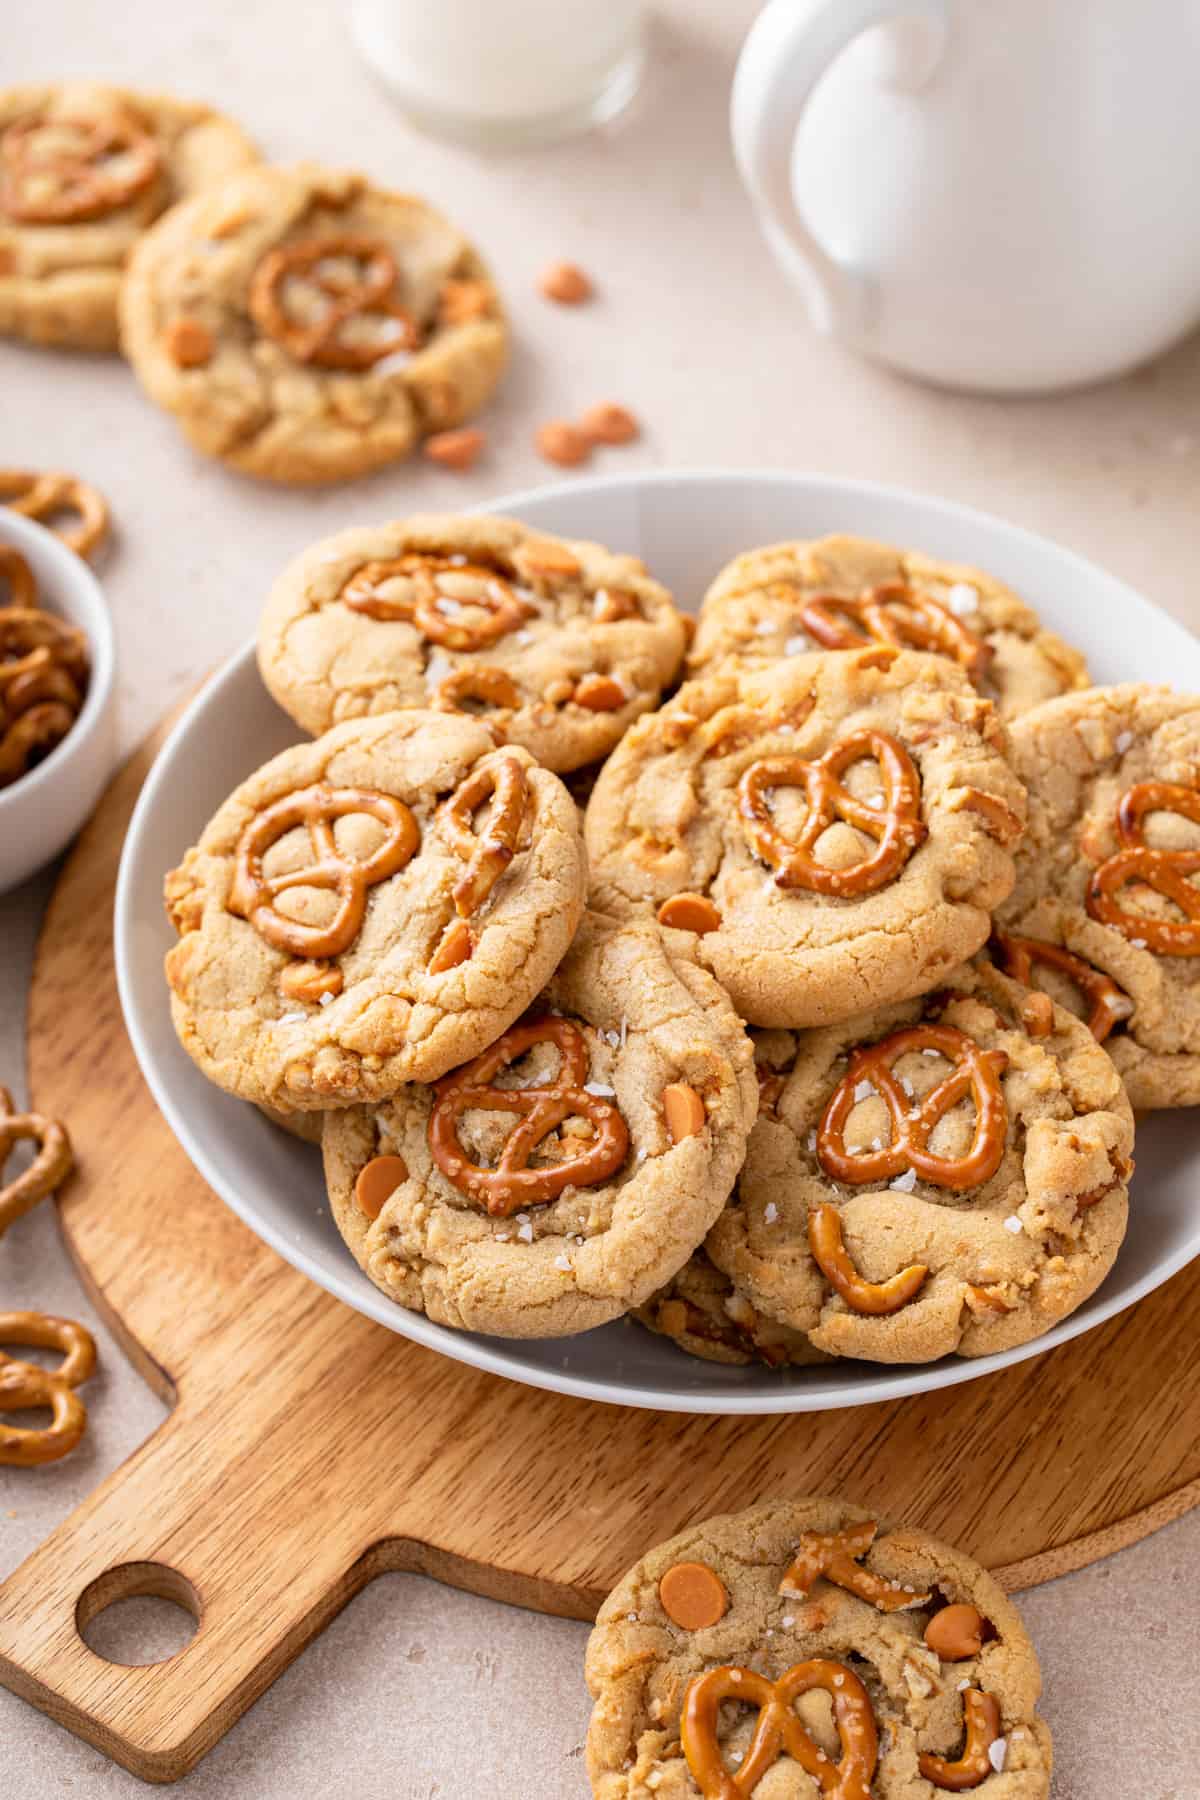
(310, 1449)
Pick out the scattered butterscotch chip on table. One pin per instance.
(560, 442)
(459, 450)
(565, 283)
(810, 1647)
(609, 424)
(28, 1387)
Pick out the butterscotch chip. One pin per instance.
(89, 168)
(326, 299)
(475, 615)
(859, 1705)
(693, 1595)
(565, 283)
(562, 443)
(377, 1182)
(609, 424)
(689, 912)
(189, 343)
(600, 693)
(545, 1196)
(683, 1110)
(456, 449)
(955, 1632)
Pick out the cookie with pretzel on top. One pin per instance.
(809, 1647)
(305, 326)
(555, 645)
(555, 1180)
(945, 1176)
(842, 593)
(85, 170)
(835, 829)
(1105, 914)
(369, 909)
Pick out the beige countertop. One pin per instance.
(415, 1691)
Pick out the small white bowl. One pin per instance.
(41, 812)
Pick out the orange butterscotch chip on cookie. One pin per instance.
(956, 1632)
(689, 912)
(600, 693)
(684, 1111)
(461, 301)
(693, 1596)
(377, 1182)
(309, 981)
(189, 343)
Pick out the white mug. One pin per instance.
(990, 194)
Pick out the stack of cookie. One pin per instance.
(746, 1069)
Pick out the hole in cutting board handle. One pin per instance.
(138, 1613)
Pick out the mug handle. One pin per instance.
(790, 46)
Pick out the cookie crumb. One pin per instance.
(565, 283)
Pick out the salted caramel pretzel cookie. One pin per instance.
(370, 909)
(558, 1179)
(806, 1648)
(841, 593)
(305, 326)
(84, 171)
(836, 829)
(1105, 914)
(945, 1176)
(702, 1312)
(557, 646)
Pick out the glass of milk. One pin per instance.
(504, 72)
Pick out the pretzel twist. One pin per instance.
(836, 1555)
(252, 894)
(323, 342)
(976, 1071)
(44, 496)
(503, 609)
(779, 1730)
(17, 579)
(1017, 956)
(511, 1184)
(877, 1299)
(49, 1168)
(112, 162)
(894, 613)
(896, 825)
(1165, 871)
(26, 1386)
(502, 778)
(981, 1727)
(493, 687)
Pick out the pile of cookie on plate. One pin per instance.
(798, 1013)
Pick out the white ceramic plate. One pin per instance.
(685, 526)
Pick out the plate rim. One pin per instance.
(474, 1350)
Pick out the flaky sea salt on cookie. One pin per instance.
(841, 593)
(370, 909)
(806, 1648)
(946, 1176)
(84, 170)
(557, 646)
(1105, 914)
(305, 326)
(556, 1180)
(835, 829)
